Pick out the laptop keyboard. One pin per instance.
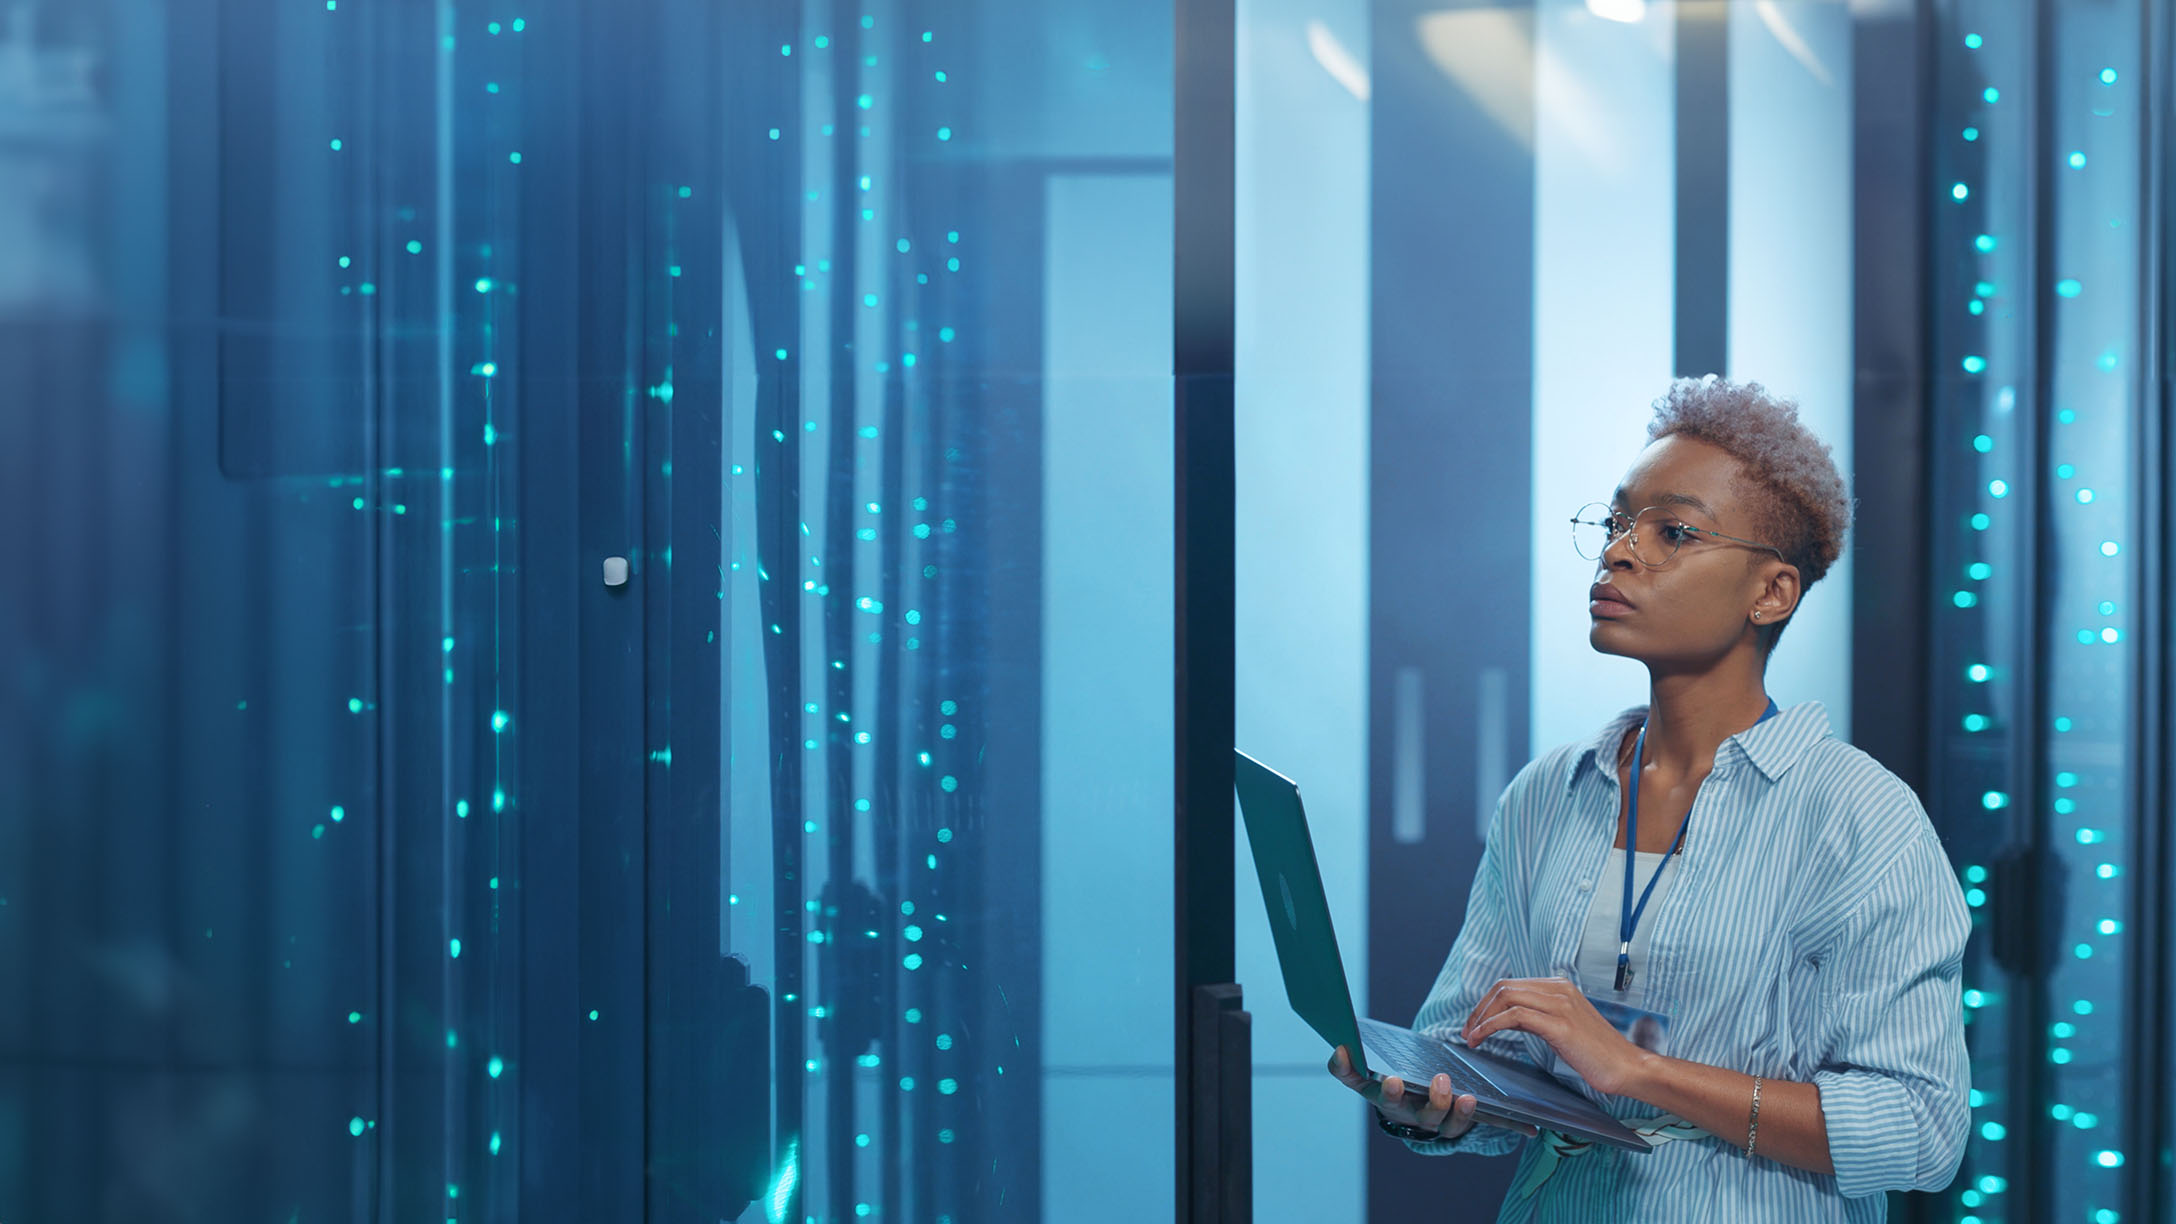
(1416, 1059)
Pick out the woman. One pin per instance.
(1788, 930)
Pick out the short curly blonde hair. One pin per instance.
(1791, 485)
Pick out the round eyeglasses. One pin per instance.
(1655, 534)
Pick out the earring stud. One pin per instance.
(1756, 616)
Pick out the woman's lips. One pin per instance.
(1609, 608)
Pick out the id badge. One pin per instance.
(1628, 1013)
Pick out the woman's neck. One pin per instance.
(1689, 717)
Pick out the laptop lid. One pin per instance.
(1299, 911)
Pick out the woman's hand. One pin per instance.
(1447, 1115)
(1554, 1010)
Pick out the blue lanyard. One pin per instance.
(1628, 918)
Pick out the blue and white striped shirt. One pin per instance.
(1815, 933)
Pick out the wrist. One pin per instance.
(1643, 1072)
(1404, 1130)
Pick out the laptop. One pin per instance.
(1314, 979)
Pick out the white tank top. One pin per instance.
(1598, 944)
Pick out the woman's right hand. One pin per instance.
(1443, 1113)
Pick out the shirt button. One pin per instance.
(1584, 885)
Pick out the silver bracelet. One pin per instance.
(1752, 1130)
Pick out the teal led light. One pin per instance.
(2109, 548)
(913, 960)
(1975, 874)
(499, 719)
(415, 247)
(1982, 443)
(2085, 497)
(1975, 998)
(355, 1127)
(2107, 76)
(2066, 779)
(2108, 1159)
(453, 947)
(1972, 41)
(1973, 365)
(944, 133)
(2068, 287)
(1992, 94)
(1978, 673)
(1979, 571)
(2063, 724)
(339, 813)
(1984, 243)
(1994, 801)
(2091, 837)
(496, 1067)
(2077, 161)
(1981, 522)
(1992, 1131)
(1965, 599)
(1971, 133)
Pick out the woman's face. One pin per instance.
(1699, 605)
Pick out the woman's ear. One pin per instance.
(1778, 599)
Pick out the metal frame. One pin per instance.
(2150, 1193)
(1210, 1058)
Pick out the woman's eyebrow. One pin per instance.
(1672, 499)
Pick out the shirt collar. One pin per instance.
(1773, 746)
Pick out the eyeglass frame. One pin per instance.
(1629, 520)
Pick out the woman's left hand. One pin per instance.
(1554, 1010)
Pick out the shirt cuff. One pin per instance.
(1873, 1139)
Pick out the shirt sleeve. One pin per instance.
(1480, 957)
(1895, 1078)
